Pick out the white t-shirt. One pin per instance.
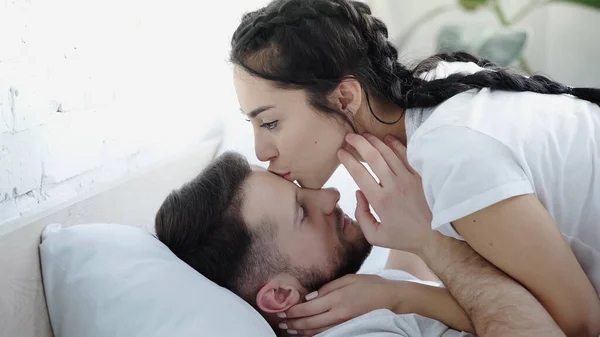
(385, 323)
(482, 147)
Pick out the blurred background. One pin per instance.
(558, 38)
(96, 92)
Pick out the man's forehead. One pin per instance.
(266, 197)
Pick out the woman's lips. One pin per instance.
(287, 176)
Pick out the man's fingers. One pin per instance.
(366, 220)
(371, 156)
(400, 151)
(310, 308)
(358, 172)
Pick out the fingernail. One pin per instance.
(312, 295)
(281, 315)
(292, 332)
(283, 326)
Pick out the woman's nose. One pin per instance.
(265, 150)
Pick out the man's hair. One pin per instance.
(202, 224)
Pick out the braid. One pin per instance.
(392, 79)
(432, 93)
(315, 44)
(432, 62)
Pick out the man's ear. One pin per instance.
(278, 295)
(347, 96)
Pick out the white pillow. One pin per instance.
(106, 280)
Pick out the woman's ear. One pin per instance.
(347, 96)
(277, 295)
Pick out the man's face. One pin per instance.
(312, 232)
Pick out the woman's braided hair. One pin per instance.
(315, 44)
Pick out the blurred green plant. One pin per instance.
(503, 46)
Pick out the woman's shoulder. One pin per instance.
(506, 116)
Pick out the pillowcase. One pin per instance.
(112, 280)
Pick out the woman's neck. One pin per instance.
(386, 111)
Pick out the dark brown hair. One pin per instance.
(202, 224)
(315, 44)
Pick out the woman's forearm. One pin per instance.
(435, 303)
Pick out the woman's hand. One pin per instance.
(342, 300)
(398, 198)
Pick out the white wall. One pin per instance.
(564, 41)
(93, 91)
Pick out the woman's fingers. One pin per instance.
(331, 286)
(400, 151)
(366, 220)
(390, 157)
(309, 308)
(315, 332)
(371, 156)
(359, 173)
(319, 321)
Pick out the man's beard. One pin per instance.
(349, 257)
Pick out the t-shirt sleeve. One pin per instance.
(464, 171)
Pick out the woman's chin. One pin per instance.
(313, 182)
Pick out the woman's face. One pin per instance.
(299, 142)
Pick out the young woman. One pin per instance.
(509, 164)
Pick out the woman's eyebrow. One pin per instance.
(254, 113)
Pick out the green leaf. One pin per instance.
(500, 45)
(503, 47)
(472, 5)
(589, 3)
(455, 38)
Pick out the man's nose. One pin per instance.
(329, 198)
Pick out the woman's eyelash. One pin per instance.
(269, 126)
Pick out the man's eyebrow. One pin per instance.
(254, 113)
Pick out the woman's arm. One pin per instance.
(433, 302)
(496, 304)
(520, 237)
